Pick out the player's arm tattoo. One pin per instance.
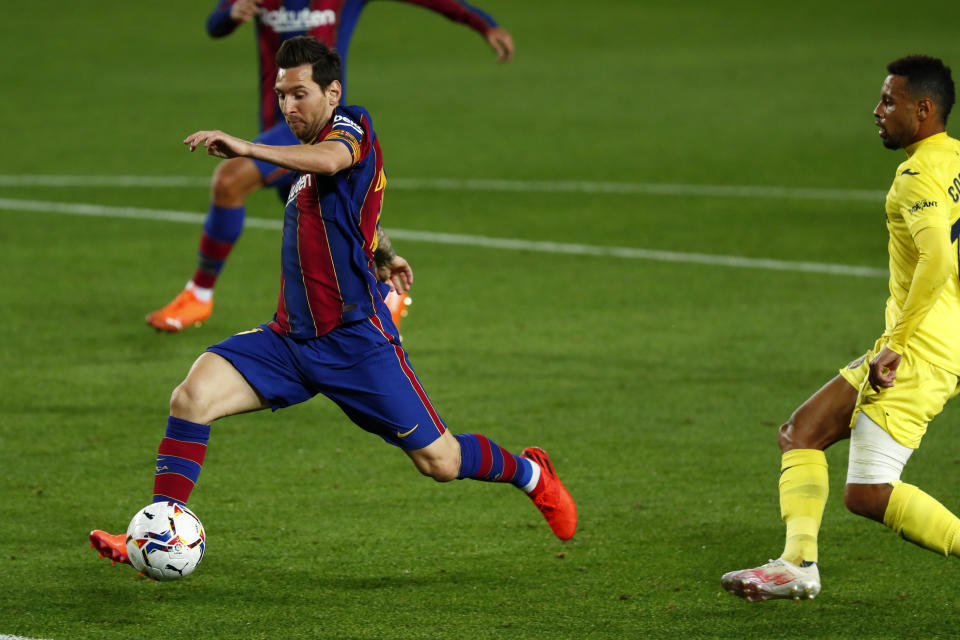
(384, 253)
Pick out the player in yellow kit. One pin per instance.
(884, 400)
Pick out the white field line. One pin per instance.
(512, 186)
(515, 244)
(6, 637)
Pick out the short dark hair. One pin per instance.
(302, 50)
(927, 77)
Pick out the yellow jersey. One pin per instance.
(925, 194)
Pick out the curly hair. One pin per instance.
(927, 77)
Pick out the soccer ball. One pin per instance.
(165, 541)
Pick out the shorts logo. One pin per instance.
(856, 363)
(406, 433)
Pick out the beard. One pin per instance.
(891, 144)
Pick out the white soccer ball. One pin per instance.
(165, 541)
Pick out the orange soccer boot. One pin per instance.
(182, 312)
(398, 303)
(551, 497)
(110, 546)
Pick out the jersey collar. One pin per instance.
(911, 149)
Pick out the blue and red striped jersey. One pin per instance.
(328, 277)
(330, 21)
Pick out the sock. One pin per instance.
(920, 519)
(201, 293)
(483, 459)
(804, 486)
(220, 232)
(179, 460)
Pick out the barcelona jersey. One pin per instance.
(329, 21)
(329, 236)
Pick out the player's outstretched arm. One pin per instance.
(218, 144)
(229, 15)
(501, 42)
(245, 10)
(477, 19)
(325, 158)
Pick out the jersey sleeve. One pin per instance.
(350, 133)
(929, 277)
(921, 201)
(461, 12)
(219, 23)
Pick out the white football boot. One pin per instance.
(776, 579)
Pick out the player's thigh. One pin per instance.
(233, 180)
(271, 175)
(270, 364)
(373, 382)
(213, 389)
(823, 419)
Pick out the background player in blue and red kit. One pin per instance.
(331, 22)
(332, 333)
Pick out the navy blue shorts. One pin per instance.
(355, 365)
(273, 176)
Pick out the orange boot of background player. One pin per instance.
(186, 309)
(398, 306)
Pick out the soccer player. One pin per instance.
(332, 22)
(332, 333)
(884, 399)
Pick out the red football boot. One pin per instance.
(110, 546)
(551, 497)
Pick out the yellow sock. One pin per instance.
(920, 519)
(804, 486)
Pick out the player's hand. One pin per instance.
(218, 144)
(883, 369)
(245, 10)
(397, 273)
(501, 42)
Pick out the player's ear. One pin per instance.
(924, 108)
(333, 92)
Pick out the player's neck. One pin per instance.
(923, 135)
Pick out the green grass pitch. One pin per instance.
(657, 386)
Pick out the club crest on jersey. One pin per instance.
(284, 20)
(305, 180)
(347, 122)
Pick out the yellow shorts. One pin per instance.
(903, 410)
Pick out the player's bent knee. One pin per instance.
(186, 403)
(784, 436)
(442, 472)
(440, 469)
(867, 500)
(234, 180)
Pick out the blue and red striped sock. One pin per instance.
(221, 230)
(483, 459)
(179, 460)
